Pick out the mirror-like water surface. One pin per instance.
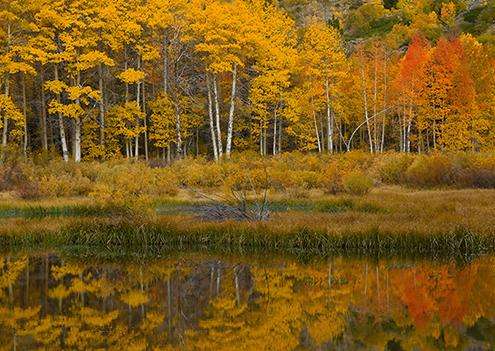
(213, 303)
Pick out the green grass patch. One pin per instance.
(319, 206)
(39, 211)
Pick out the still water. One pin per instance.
(200, 302)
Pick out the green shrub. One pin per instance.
(357, 183)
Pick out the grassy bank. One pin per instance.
(157, 236)
(387, 221)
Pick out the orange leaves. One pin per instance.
(440, 88)
(412, 71)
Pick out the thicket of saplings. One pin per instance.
(292, 174)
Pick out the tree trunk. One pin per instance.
(5, 117)
(366, 115)
(261, 138)
(317, 132)
(375, 103)
(24, 113)
(63, 139)
(44, 135)
(138, 102)
(385, 100)
(330, 121)
(275, 122)
(409, 123)
(217, 116)
(231, 112)
(165, 64)
(178, 128)
(265, 141)
(125, 69)
(7, 92)
(145, 121)
(101, 104)
(77, 127)
(210, 115)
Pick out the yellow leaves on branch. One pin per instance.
(92, 59)
(125, 120)
(10, 112)
(163, 121)
(131, 76)
(77, 96)
(72, 110)
(82, 93)
(227, 32)
(55, 86)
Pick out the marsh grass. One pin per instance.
(114, 236)
(55, 211)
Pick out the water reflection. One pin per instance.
(207, 303)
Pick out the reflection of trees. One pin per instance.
(203, 304)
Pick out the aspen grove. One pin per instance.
(146, 79)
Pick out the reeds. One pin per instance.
(113, 236)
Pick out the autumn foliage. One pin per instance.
(167, 79)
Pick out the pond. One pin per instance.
(198, 301)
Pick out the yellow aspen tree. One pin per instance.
(225, 35)
(323, 61)
(15, 59)
(275, 64)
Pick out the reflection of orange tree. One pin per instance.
(441, 302)
(425, 306)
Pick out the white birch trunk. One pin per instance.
(210, 115)
(217, 117)
(317, 132)
(63, 139)
(366, 114)
(329, 118)
(230, 129)
(77, 127)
